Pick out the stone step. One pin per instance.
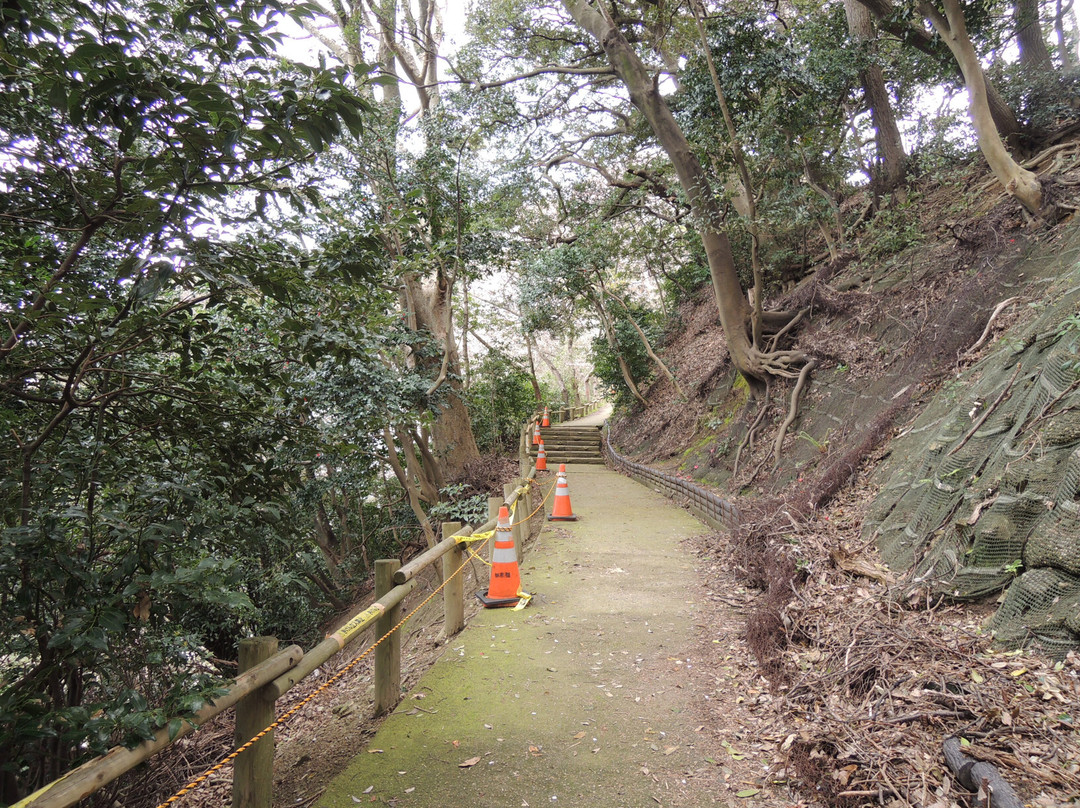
(559, 440)
(553, 461)
(585, 446)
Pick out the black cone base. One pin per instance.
(496, 603)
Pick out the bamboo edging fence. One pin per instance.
(707, 506)
(92, 775)
(255, 691)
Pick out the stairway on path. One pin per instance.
(570, 443)
(591, 696)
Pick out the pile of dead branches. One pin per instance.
(871, 686)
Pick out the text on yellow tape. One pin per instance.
(358, 624)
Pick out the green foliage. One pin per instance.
(940, 148)
(629, 346)
(158, 378)
(895, 228)
(554, 283)
(1070, 325)
(456, 507)
(788, 89)
(783, 87)
(1042, 99)
(689, 275)
(500, 400)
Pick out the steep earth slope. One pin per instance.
(938, 426)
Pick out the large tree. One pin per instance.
(948, 21)
(892, 161)
(152, 412)
(403, 40)
(745, 326)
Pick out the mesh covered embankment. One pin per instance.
(984, 497)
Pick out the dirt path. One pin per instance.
(584, 698)
(593, 419)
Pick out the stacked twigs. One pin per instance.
(873, 687)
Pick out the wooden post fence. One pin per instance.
(454, 591)
(267, 674)
(388, 653)
(253, 771)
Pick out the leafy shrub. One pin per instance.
(500, 400)
(457, 507)
(630, 348)
(895, 228)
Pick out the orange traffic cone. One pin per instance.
(505, 586)
(541, 457)
(536, 435)
(546, 420)
(562, 511)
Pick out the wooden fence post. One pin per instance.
(388, 653)
(523, 449)
(454, 591)
(515, 519)
(253, 771)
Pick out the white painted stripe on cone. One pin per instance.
(504, 555)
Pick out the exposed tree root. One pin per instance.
(990, 324)
(787, 327)
(785, 364)
(770, 364)
(793, 409)
(748, 438)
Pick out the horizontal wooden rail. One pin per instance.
(271, 679)
(352, 629)
(560, 414)
(89, 777)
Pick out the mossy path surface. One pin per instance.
(583, 698)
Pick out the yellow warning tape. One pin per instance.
(357, 624)
(487, 534)
(202, 778)
(342, 636)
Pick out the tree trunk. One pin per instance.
(410, 46)
(891, 159)
(749, 199)
(532, 370)
(731, 302)
(452, 435)
(1029, 37)
(326, 540)
(624, 369)
(1018, 181)
(1059, 30)
(466, 326)
(408, 484)
(884, 13)
(555, 372)
(649, 348)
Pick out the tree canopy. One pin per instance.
(262, 315)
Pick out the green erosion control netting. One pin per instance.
(985, 495)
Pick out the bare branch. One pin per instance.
(550, 69)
